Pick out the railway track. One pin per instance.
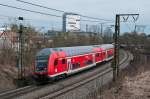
(15, 92)
(23, 92)
(79, 84)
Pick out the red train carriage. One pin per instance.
(107, 51)
(53, 62)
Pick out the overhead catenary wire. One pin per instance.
(96, 21)
(13, 17)
(96, 18)
(40, 6)
(29, 10)
(60, 10)
(2, 16)
(38, 12)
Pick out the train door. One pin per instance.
(69, 65)
(94, 58)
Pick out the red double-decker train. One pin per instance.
(51, 63)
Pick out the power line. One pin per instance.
(95, 18)
(60, 10)
(90, 21)
(13, 17)
(40, 6)
(96, 21)
(36, 12)
(29, 10)
(39, 12)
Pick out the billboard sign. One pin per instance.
(72, 22)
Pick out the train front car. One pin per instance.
(53, 63)
(40, 72)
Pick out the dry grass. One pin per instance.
(7, 74)
(133, 83)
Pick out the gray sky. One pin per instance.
(96, 8)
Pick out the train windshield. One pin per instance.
(42, 59)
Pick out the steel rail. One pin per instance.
(76, 85)
(27, 89)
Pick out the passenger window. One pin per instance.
(87, 62)
(56, 62)
(63, 61)
(76, 65)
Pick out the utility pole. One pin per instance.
(101, 29)
(86, 28)
(117, 41)
(116, 52)
(21, 69)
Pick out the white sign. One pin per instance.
(72, 23)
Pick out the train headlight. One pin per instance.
(45, 68)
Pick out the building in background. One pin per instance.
(108, 35)
(71, 22)
(8, 39)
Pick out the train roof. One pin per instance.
(77, 50)
(44, 52)
(72, 51)
(105, 46)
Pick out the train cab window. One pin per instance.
(63, 61)
(97, 54)
(56, 62)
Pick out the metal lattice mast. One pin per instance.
(117, 41)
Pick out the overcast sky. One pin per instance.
(106, 9)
